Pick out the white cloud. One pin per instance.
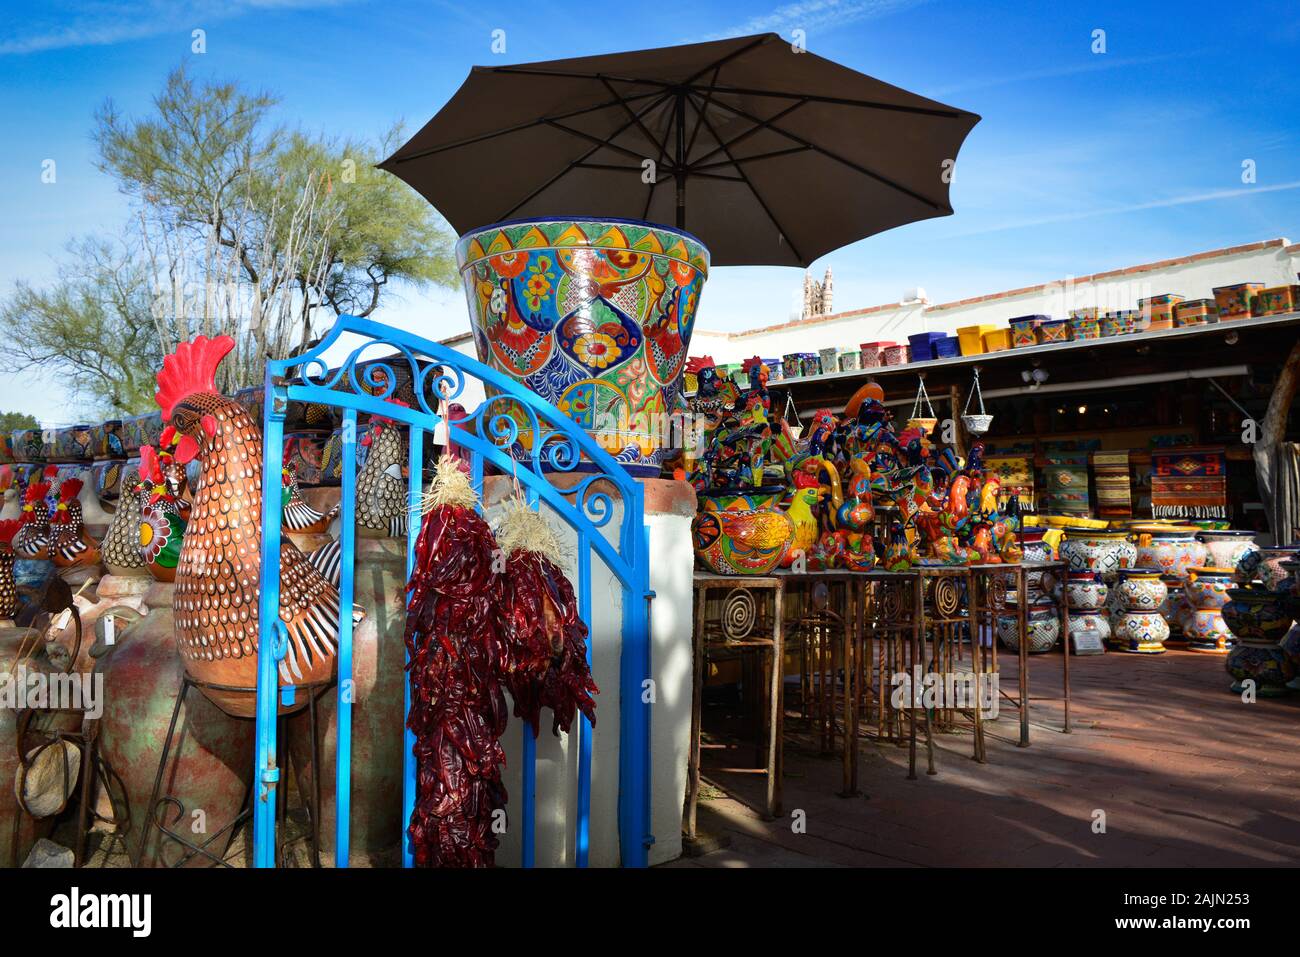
(68, 25)
(811, 15)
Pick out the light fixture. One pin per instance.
(1083, 409)
(1231, 338)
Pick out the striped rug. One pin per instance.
(1110, 470)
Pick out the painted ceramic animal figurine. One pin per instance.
(70, 545)
(382, 493)
(173, 472)
(218, 575)
(161, 528)
(33, 539)
(298, 516)
(12, 502)
(805, 525)
(120, 549)
(8, 588)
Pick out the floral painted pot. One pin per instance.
(141, 430)
(1140, 589)
(593, 315)
(1140, 632)
(1256, 615)
(1227, 547)
(305, 451)
(1175, 610)
(1036, 547)
(108, 478)
(741, 532)
(1042, 627)
(1104, 551)
(108, 440)
(1267, 563)
(1085, 592)
(1256, 619)
(73, 444)
(1081, 621)
(28, 445)
(1171, 548)
(1205, 593)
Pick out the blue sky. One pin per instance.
(1084, 161)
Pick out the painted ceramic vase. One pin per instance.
(1206, 592)
(741, 532)
(1085, 592)
(1081, 621)
(1257, 620)
(1036, 547)
(1171, 548)
(108, 478)
(1042, 627)
(595, 316)
(1227, 547)
(108, 440)
(145, 429)
(73, 444)
(1098, 550)
(1266, 565)
(1140, 628)
(28, 446)
(1175, 610)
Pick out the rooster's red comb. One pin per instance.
(70, 489)
(150, 470)
(697, 364)
(36, 491)
(191, 368)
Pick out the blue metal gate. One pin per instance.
(486, 435)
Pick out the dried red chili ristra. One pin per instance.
(539, 620)
(457, 657)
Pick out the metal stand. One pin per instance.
(159, 802)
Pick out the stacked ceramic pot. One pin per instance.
(1173, 549)
(1038, 549)
(1139, 627)
(1258, 619)
(1104, 551)
(1265, 565)
(1205, 593)
(1290, 589)
(1042, 626)
(1228, 548)
(1085, 597)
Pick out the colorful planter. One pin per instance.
(1236, 301)
(1195, 312)
(850, 360)
(792, 364)
(997, 340)
(1024, 330)
(1085, 591)
(1206, 592)
(1139, 627)
(1081, 621)
(1159, 311)
(1054, 330)
(1227, 547)
(1098, 550)
(741, 532)
(947, 348)
(1087, 312)
(830, 360)
(1085, 327)
(595, 316)
(971, 339)
(1042, 628)
(1276, 300)
(1111, 324)
(28, 445)
(775, 372)
(1257, 620)
(922, 345)
(896, 355)
(1267, 565)
(1171, 548)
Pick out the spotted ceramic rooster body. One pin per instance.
(381, 489)
(121, 544)
(298, 515)
(218, 577)
(8, 588)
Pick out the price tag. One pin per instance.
(110, 630)
(1087, 641)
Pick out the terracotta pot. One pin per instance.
(1103, 551)
(741, 532)
(595, 316)
(378, 659)
(211, 762)
(1171, 548)
(1226, 547)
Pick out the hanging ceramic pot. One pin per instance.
(922, 416)
(977, 423)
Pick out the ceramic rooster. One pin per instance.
(121, 545)
(11, 508)
(161, 525)
(33, 539)
(217, 580)
(8, 588)
(70, 545)
(298, 515)
(381, 489)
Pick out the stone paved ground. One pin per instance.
(1186, 773)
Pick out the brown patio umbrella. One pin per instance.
(770, 156)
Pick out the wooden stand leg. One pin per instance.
(775, 743)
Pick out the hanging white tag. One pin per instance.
(440, 432)
(110, 630)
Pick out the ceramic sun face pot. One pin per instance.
(1227, 547)
(1171, 548)
(1042, 628)
(1104, 551)
(593, 315)
(742, 532)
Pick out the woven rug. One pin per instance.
(1016, 473)
(1066, 478)
(1189, 483)
(1110, 470)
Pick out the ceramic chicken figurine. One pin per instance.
(298, 516)
(33, 539)
(381, 490)
(218, 577)
(11, 507)
(120, 549)
(161, 528)
(70, 545)
(173, 472)
(8, 589)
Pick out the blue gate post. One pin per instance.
(415, 518)
(266, 775)
(634, 827)
(346, 690)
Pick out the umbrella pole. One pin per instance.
(680, 162)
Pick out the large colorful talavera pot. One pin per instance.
(1227, 547)
(741, 532)
(593, 315)
(1098, 550)
(1206, 590)
(1171, 548)
(1140, 628)
(1257, 620)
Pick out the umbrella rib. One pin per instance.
(596, 139)
(699, 115)
(636, 119)
(946, 112)
(759, 199)
(718, 64)
(695, 170)
(520, 127)
(754, 129)
(840, 159)
(581, 159)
